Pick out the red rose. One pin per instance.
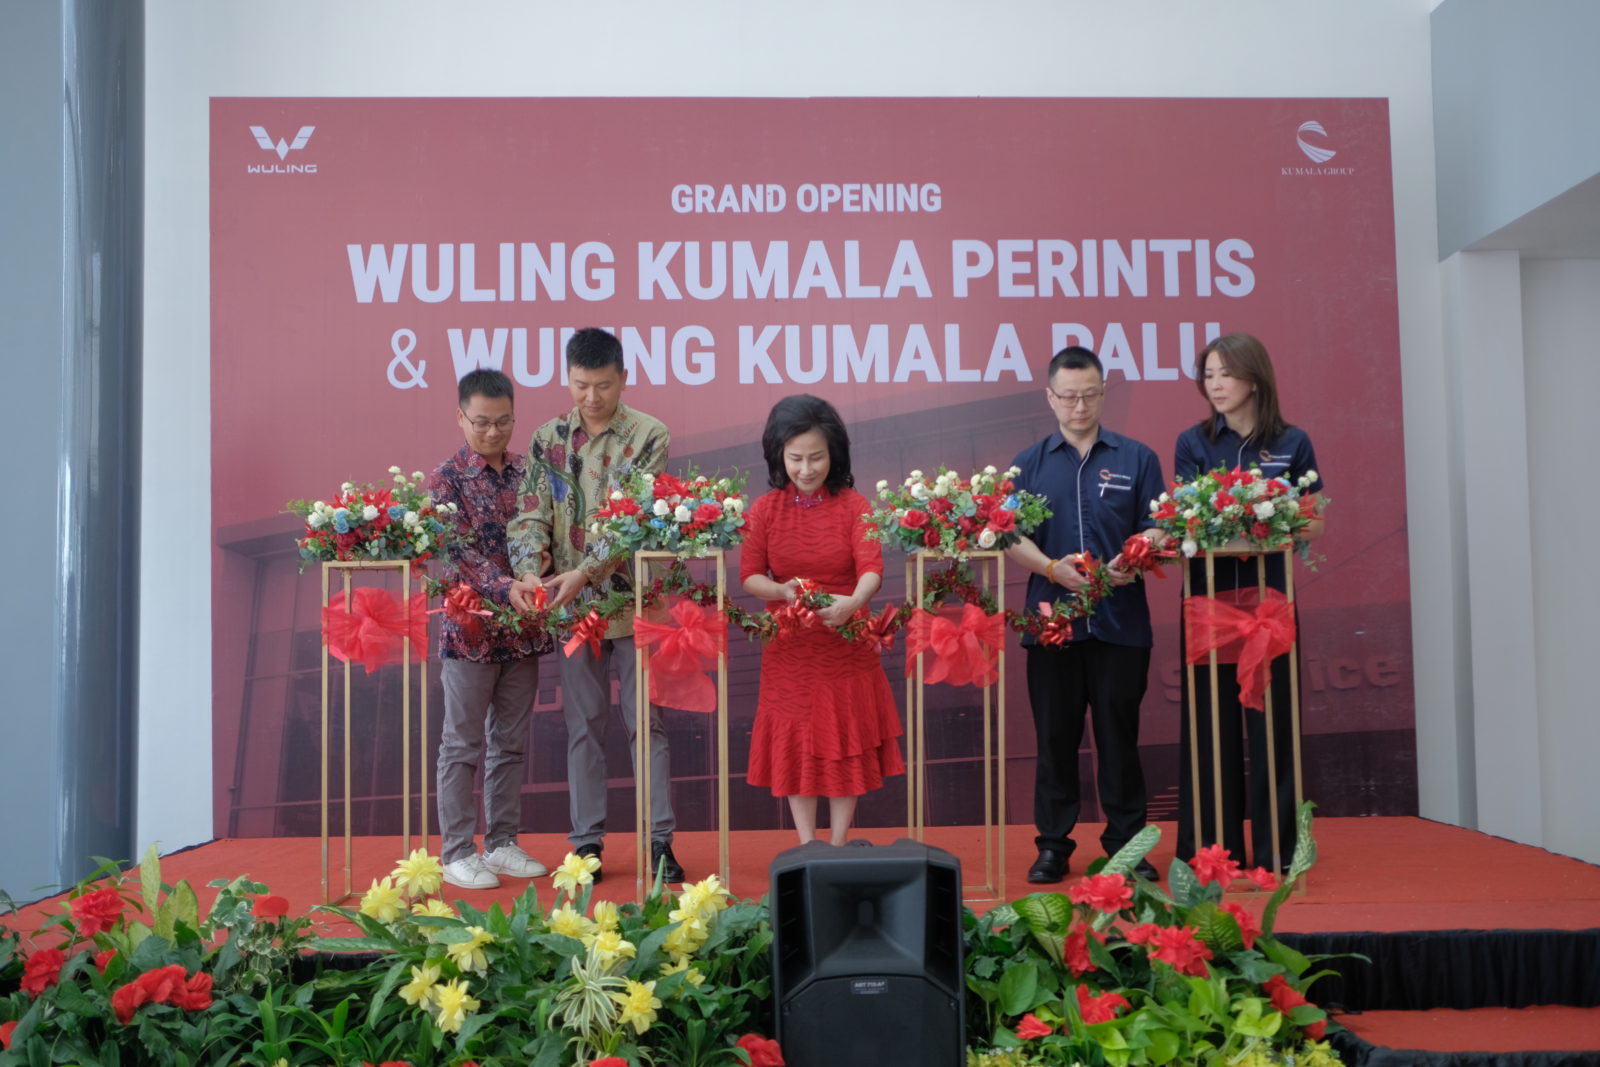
(1031, 1027)
(126, 1000)
(1317, 1030)
(5, 1034)
(103, 960)
(1178, 946)
(97, 912)
(1246, 921)
(968, 524)
(764, 1052)
(626, 506)
(1213, 864)
(1103, 892)
(1260, 531)
(707, 513)
(1223, 499)
(668, 485)
(961, 544)
(930, 537)
(1142, 933)
(1075, 952)
(195, 994)
(1262, 877)
(42, 970)
(1002, 521)
(1099, 1009)
(940, 505)
(914, 519)
(1169, 510)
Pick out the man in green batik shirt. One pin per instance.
(573, 463)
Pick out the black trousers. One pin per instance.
(1065, 681)
(1236, 725)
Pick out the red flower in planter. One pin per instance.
(1099, 1009)
(42, 970)
(1075, 952)
(270, 907)
(609, 1061)
(1178, 946)
(1286, 998)
(1103, 892)
(764, 1052)
(1262, 877)
(1031, 1027)
(97, 912)
(1213, 864)
(164, 985)
(5, 1034)
(1246, 921)
(102, 960)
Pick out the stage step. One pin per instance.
(1545, 1036)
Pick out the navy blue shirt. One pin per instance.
(1097, 502)
(1290, 456)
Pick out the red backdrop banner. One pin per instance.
(916, 261)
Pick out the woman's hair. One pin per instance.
(795, 415)
(1246, 358)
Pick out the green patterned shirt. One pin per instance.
(569, 473)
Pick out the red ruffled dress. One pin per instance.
(826, 722)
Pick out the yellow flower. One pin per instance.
(608, 947)
(1320, 1054)
(638, 1003)
(468, 955)
(575, 872)
(705, 897)
(419, 874)
(454, 1004)
(679, 964)
(686, 938)
(568, 923)
(382, 902)
(606, 915)
(420, 989)
(436, 908)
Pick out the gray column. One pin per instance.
(71, 209)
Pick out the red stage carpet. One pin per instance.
(1376, 881)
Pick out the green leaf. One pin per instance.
(1017, 988)
(1251, 1021)
(1305, 855)
(1289, 959)
(1046, 912)
(399, 970)
(1216, 928)
(150, 878)
(1129, 855)
(1164, 1046)
(1185, 887)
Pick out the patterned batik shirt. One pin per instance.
(569, 475)
(487, 500)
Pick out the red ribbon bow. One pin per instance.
(464, 607)
(963, 654)
(879, 633)
(1140, 556)
(372, 632)
(682, 649)
(1057, 628)
(591, 630)
(1243, 628)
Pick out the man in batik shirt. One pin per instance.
(490, 673)
(574, 462)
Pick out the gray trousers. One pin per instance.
(586, 689)
(486, 708)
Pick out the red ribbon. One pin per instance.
(464, 607)
(963, 654)
(683, 649)
(1057, 628)
(879, 633)
(591, 630)
(1140, 556)
(373, 631)
(1243, 628)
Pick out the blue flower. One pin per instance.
(396, 512)
(341, 521)
(1011, 502)
(436, 527)
(659, 524)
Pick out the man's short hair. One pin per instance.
(489, 384)
(1074, 357)
(594, 349)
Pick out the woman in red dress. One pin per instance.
(826, 722)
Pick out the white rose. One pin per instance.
(919, 491)
(1264, 510)
(616, 494)
(1190, 513)
(986, 538)
(321, 505)
(1189, 548)
(1310, 476)
(882, 484)
(989, 470)
(681, 514)
(1163, 498)
(734, 505)
(422, 542)
(662, 509)
(369, 513)
(914, 476)
(1286, 506)
(394, 470)
(649, 478)
(594, 529)
(417, 476)
(347, 487)
(412, 518)
(317, 520)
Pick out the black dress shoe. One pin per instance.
(662, 859)
(1146, 869)
(1051, 866)
(591, 850)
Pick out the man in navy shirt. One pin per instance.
(1099, 485)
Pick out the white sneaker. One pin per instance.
(469, 872)
(511, 861)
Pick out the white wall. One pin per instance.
(1560, 321)
(201, 48)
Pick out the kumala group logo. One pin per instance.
(281, 148)
(1317, 153)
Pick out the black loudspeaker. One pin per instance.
(867, 956)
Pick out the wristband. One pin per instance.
(1050, 572)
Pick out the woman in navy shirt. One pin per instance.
(1244, 429)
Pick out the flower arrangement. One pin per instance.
(954, 515)
(363, 522)
(664, 513)
(1118, 971)
(1238, 505)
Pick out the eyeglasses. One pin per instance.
(483, 425)
(1072, 400)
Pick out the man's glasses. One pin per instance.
(1072, 400)
(483, 425)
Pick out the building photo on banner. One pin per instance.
(915, 262)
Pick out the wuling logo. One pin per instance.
(1314, 152)
(282, 147)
